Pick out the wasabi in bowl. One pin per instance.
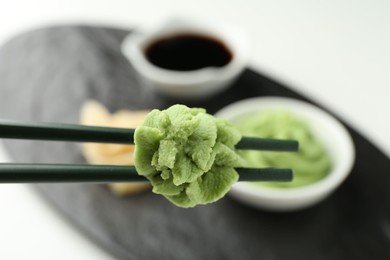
(324, 161)
(310, 164)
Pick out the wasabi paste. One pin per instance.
(310, 164)
(187, 155)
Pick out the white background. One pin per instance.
(337, 52)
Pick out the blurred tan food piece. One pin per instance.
(94, 113)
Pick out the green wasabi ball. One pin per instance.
(310, 164)
(187, 155)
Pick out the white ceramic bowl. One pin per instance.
(186, 84)
(326, 128)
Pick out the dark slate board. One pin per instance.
(45, 75)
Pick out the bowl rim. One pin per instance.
(322, 187)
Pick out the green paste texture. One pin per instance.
(310, 164)
(187, 154)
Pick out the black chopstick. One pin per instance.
(65, 132)
(60, 173)
(81, 133)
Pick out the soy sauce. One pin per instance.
(186, 52)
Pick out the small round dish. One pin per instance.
(325, 127)
(193, 84)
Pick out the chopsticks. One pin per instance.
(40, 173)
(48, 173)
(96, 134)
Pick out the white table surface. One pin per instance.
(336, 52)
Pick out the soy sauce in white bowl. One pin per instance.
(187, 59)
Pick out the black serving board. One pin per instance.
(46, 74)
